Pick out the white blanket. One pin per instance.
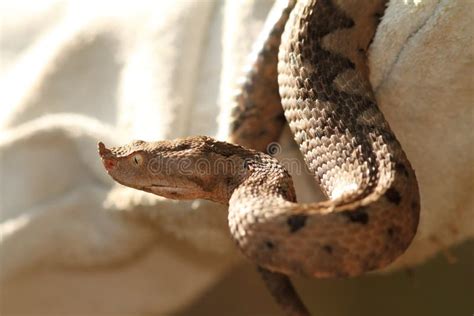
(73, 73)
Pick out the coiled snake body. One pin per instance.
(321, 84)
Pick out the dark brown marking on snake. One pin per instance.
(198, 181)
(296, 222)
(400, 167)
(378, 15)
(269, 245)
(170, 147)
(280, 118)
(240, 116)
(231, 182)
(415, 208)
(357, 216)
(226, 150)
(328, 249)
(393, 196)
(392, 231)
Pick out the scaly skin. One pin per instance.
(372, 210)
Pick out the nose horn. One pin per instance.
(103, 151)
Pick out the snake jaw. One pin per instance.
(172, 192)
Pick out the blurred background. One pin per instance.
(73, 242)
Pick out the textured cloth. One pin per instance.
(73, 73)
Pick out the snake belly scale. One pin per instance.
(315, 69)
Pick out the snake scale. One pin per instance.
(310, 71)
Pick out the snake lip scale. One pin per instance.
(310, 71)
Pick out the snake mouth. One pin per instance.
(168, 191)
(159, 186)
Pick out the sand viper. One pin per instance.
(311, 68)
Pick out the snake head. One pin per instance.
(177, 169)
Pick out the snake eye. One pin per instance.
(137, 160)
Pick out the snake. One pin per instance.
(310, 72)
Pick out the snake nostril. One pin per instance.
(109, 164)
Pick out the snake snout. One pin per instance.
(107, 157)
(103, 151)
